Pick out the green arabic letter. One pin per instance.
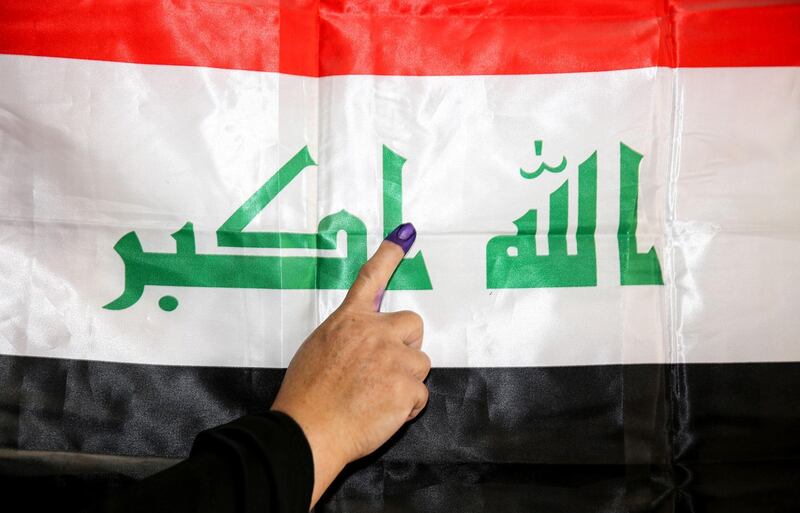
(512, 260)
(231, 233)
(543, 167)
(634, 268)
(412, 273)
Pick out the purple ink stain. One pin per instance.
(379, 299)
(404, 236)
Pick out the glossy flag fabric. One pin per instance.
(606, 260)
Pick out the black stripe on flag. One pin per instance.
(690, 437)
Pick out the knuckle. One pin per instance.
(424, 394)
(419, 397)
(414, 317)
(426, 361)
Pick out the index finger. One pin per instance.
(373, 277)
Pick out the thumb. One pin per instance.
(373, 277)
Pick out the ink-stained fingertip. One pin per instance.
(404, 236)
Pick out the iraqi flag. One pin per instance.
(608, 259)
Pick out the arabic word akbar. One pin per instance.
(187, 268)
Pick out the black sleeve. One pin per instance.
(255, 463)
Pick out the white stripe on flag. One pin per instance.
(90, 151)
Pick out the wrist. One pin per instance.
(328, 453)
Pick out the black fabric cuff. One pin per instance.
(272, 453)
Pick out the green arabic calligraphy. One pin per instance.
(411, 274)
(231, 234)
(543, 167)
(187, 268)
(512, 260)
(634, 268)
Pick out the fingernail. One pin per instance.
(404, 236)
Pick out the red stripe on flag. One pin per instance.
(409, 37)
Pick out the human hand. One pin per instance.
(359, 376)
